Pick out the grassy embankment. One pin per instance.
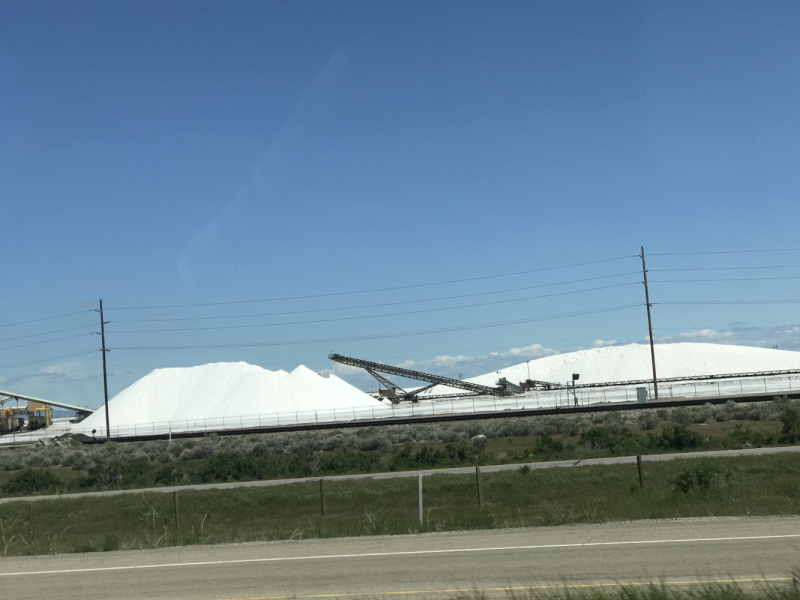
(753, 485)
(72, 467)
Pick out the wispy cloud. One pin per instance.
(604, 343)
(785, 337)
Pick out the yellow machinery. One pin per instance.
(39, 415)
(11, 419)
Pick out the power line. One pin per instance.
(69, 337)
(729, 302)
(726, 268)
(80, 312)
(582, 337)
(22, 337)
(723, 252)
(359, 317)
(386, 289)
(49, 358)
(387, 335)
(722, 279)
(379, 305)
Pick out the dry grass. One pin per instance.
(759, 485)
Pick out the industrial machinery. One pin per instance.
(39, 415)
(11, 419)
(39, 412)
(397, 394)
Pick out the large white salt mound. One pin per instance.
(632, 361)
(219, 390)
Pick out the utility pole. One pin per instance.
(650, 326)
(105, 376)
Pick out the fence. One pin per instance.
(776, 384)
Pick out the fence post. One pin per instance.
(30, 519)
(641, 474)
(420, 498)
(322, 496)
(478, 482)
(175, 503)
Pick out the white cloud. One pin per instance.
(706, 334)
(604, 343)
(785, 337)
(65, 367)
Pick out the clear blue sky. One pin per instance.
(167, 153)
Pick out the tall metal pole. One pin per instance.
(105, 376)
(650, 326)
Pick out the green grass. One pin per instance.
(752, 485)
(786, 588)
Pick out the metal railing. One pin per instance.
(477, 404)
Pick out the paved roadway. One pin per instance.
(614, 460)
(679, 552)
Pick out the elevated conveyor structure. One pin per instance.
(81, 410)
(397, 394)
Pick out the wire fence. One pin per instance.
(746, 386)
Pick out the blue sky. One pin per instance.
(164, 154)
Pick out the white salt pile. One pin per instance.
(632, 361)
(218, 390)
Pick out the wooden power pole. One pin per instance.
(650, 326)
(105, 376)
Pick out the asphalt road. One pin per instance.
(421, 566)
(613, 460)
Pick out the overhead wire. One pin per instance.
(728, 302)
(722, 279)
(378, 305)
(80, 312)
(722, 252)
(384, 289)
(361, 317)
(411, 286)
(69, 337)
(22, 337)
(388, 335)
(725, 268)
(49, 358)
